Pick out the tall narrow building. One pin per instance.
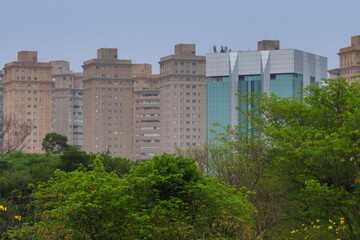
(108, 106)
(183, 99)
(27, 97)
(67, 97)
(1, 104)
(349, 61)
(146, 112)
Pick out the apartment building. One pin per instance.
(349, 61)
(146, 112)
(27, 96)
(1, 104)
(67, 104)
(284, 72)
(183, 99)
(108, 106)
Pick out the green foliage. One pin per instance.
(54, 143)
(121, 166)
(21, 170)
(316, 146)
(163, 198)
(302, 162)
(245, 161)
(74, 158)
(77, 205)
(321, 230)
(24, 168)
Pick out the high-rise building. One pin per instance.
(270, 69)
(27, 96)
(108, 106)
(183, 99)
(146, 112)
(349, 61)
(67, 96)
(1, 104)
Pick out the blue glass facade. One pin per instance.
(218, 107)
(283, 72)
(286, 84)
(247, 84)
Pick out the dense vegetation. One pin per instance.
(298, 178)
(304, 165)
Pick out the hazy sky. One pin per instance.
(146, 30)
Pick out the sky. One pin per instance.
(146, 30)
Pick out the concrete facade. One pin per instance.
(183, 99)
(1, 104)
(146, 112)
(67, 94)
(108, 107)
(27, 96)
(349, 61)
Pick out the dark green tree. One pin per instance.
(54, 143)
(73, 158)
(21, 170)
(120, 165)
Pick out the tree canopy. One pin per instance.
(315, 141)
(54, 143)
(163, 198)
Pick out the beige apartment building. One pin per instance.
(349, 61)
(183, 99)
(27, 96)
(108, 107)
(67, 104)
(1, 104)
(146, 112)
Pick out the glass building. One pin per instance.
(284, 72)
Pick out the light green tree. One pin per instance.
(163, 198)
(316, 146)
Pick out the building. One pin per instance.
(27, 97)
(349, 61)
(183, 99)
(270, 69)
(1, 104)
(108, 106)
(146, 112)
(67, 109)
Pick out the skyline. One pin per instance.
(144, 31)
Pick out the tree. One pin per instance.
(74, 158)
(13, 134)
(121, 166)
(163, 198)
(244, 161)
(18, 170)
(316, 146)
(54, 143)
(191, 205)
